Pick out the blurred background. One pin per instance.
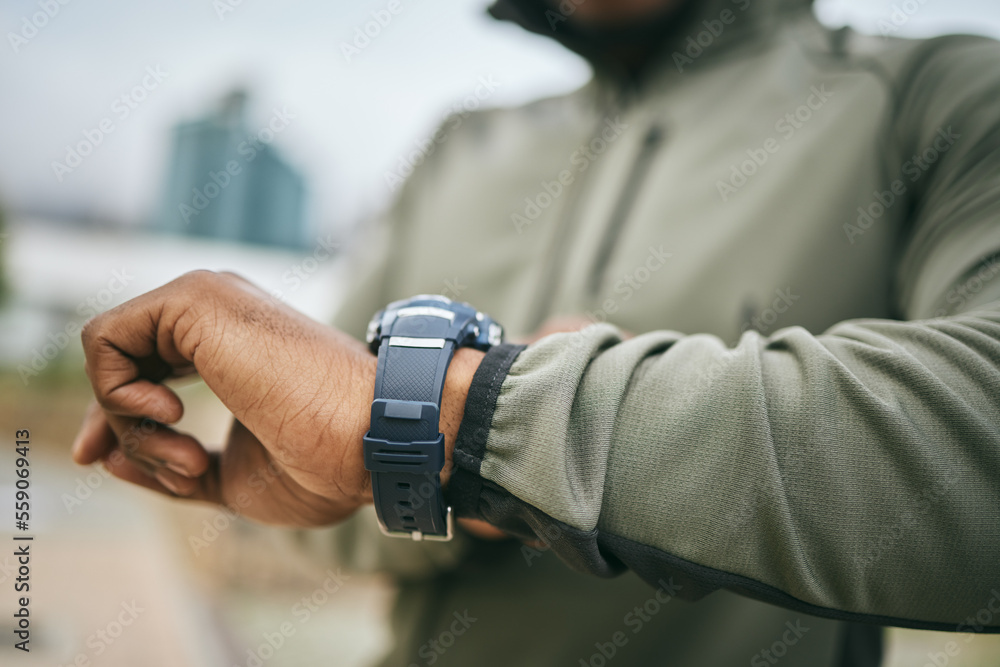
(142, 140)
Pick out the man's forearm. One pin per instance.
(852, 474)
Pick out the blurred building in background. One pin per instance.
(227, 181)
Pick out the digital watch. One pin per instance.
(415, 340)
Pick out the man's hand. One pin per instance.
(300, 393)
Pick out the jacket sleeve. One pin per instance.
(853, 474)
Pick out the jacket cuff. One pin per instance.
(466, 484)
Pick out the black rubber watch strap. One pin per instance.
(404, 448)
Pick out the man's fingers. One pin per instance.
(160, 446)
(153, 444)
(95, 437)
(179, 485)
(142, 398)
(133, 472)
(120, 390)
(205, 487)
(128, 352)
(149, 454)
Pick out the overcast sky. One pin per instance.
(352, 119)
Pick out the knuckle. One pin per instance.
(199, 278)
(90, 331)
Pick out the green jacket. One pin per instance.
(802, 228)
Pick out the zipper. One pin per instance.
(623, 207)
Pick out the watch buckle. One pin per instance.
(418, 536)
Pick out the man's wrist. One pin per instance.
(456, 390)
(365, 379)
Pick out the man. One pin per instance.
(815, 210)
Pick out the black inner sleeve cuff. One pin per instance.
(465, 485)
